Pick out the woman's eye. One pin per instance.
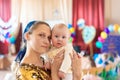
(56, 36)
(41, 35)
(49, 38)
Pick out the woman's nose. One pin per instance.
(47, 41)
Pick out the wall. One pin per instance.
(112, 12)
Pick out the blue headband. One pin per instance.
(28, 26)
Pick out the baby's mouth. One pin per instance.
(59, 43)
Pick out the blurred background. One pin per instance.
(15, 14)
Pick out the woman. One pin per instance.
(37, 38)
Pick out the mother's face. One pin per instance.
(39, 40)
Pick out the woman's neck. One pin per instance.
(32, 58)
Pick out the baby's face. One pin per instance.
(60, 37)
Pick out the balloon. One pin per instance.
(72, 30)
(116, 26)
(71, 39)
(107, 30)
(110, 28)
(6, 42)
(73, 34)
(119, 30)
(95, 56)
(69, 26)
(12, 40)
(10, 34)
(101, 39)
(103, 35)
(7, 35)
(88, 34)
(99, 44)
(100, 61)
(81, 23)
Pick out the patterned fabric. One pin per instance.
(32, 72)
(112, 45)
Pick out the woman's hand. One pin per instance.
(55, 65)
(76, 65)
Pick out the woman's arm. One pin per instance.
(76, 65)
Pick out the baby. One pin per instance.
(60, 40)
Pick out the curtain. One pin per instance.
(58, 10)
(5, 10)
(5, 14)
(92, 11)
(16, 12)
(10, 16)
(46, 10)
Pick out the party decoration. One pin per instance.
(101, 60)
(71, 39)
(12, 40)
(119, 30)
(88, 34)
(72, 31)
(116, 26)
(104, 34)
(81, 23)
(109, 75)
(110, 28)
(107, 30)
(98, 44)
(109, 72)
(69, 26)
(7, 30)
(101, 39)
(111, 44)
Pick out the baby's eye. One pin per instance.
(64, 37)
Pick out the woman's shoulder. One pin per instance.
(30, 71)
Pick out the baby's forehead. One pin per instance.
(60, 27)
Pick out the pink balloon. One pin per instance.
(101, 39)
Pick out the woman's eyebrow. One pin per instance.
(45, 34)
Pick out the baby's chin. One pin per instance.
(59, 46)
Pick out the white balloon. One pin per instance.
(81, 22)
